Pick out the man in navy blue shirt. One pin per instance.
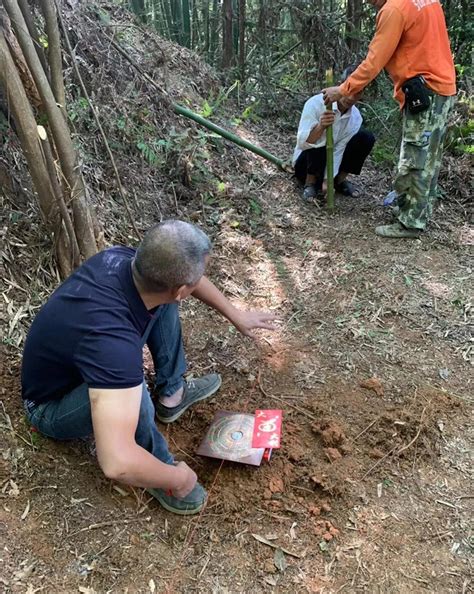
(82, 369)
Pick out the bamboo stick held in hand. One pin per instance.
(330, 152)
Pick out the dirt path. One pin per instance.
(370, 491)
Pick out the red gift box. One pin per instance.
(267, 429)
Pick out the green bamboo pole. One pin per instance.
(214, 24)
(166, 15)
(186, 24)
(235, 27)
(330, 151)
(179, 109)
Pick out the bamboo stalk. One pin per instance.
(48, 9)
(186, 23)
(83, 220)
(179, 109)
(330, 152)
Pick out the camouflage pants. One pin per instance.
(420, 161)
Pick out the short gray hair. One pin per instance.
(172, 253)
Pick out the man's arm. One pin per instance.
(244, 321)
(390, 26)
(115, 416)
(326, 120)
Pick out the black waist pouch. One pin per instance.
(417, 96)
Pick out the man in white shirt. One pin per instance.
(352, 145)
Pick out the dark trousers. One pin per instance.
(313, 161)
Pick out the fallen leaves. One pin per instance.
(265, 541)
(26, 512)
(279, 560)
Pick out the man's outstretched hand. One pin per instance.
(246, 321)
(331, 94)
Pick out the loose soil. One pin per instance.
(371, 490)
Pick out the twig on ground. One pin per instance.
(446, 503)
(102, 525)
(365, 430)
(178, 449)
(276, 546)
(378, 462)
(206, 563)
(412, 577)
(417, 433)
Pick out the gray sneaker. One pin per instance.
(189, 505)
(398, 231)
(310, 191)
(194, 391)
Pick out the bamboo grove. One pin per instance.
(290, 42)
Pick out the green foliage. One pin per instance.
(79, 110)
(4, 125)
(188, 155)
(250, 113)
(461, 138)
(210, 107)
(383, 154)
(152, 151)
(255, 207)
(287, 46)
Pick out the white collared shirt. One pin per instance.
(345, 126)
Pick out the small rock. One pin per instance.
(374, 384)
(332, 454)
(269, 566)
(327, 536)
(376, 453)
(276, 485)
(444, 374)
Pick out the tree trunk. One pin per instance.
(214, 31)
(54, 53)
(353, 21)
(227, 45)
(138, 7)
(33, 31)
(235, 29)
(166, 11)
(242, 14)
(177, 20)
(27, 131)
(82, 216)
(186, 26)
(205, 18)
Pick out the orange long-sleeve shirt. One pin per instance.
(410, 39)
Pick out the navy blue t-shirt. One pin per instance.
(89, 331)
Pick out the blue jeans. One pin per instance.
(70, 417)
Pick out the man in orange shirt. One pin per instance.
(411, 42)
